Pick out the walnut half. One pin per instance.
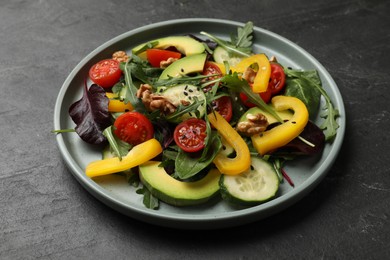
(120, 56)
(154, 101)
(255, 124)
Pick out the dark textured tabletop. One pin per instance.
(46, 213)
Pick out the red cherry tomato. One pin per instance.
(275, 86)
(277, 79)
(190, 135)
(155, 56)
(224, 107)
(133, 128)
(265, 96)
(105, 73)
(210, 68)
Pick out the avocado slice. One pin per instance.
(185, 92)
(184, 44)
(175, 192)
(284, 115)
(183, 66)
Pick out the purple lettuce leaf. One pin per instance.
(90, 114)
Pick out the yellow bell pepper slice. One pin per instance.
(260, 83)
(282, 134)
(116, 105)
(139, 154)
(230, 166)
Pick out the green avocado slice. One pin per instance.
(175, 192)
(184, 44)
(183, 66)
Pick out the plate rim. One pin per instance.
(219, 220)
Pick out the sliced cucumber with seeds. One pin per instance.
(220, 55)
(186, 93)
(255, 186)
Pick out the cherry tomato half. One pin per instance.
(265, 96)
(133, 128)
(190, 135)
(155, 56)
(105, 73)
(277, 79)
(224, 107)
(210, 68)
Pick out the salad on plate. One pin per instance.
(187, 118)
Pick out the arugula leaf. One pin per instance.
(132, 178)
(119, 147)
(240, 44)
(150, 201)
(329, 112)
(172, 81)
(147, 45)
(146, 75)
(244, 37)
(207, 141)
(238, 108)
(182, 110)
(234, 83)
(187, 165)
(131, 93)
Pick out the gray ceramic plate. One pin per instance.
(115, 192)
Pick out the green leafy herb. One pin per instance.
(119, 147)
(299, 84)
(311, 83)
(240, 44)
(190, 80)
(207, 141)
(187, 165)
(131, 93)
(244, 37)
(150, 201)
(238, 108)
(182, 110)
(70, 130)
(233, 82)
(132, 178)
(147, 45)
(142, 70)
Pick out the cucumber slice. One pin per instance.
(255, 186)
(187, 93)
(220, 55)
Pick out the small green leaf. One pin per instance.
(119, 147)
(182, 110)
(131, 93)
(240, 44)
(234, 83)
(148, 45)
(187, 165)
(311, 81)
(150, 201)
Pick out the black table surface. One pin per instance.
(46, 213)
